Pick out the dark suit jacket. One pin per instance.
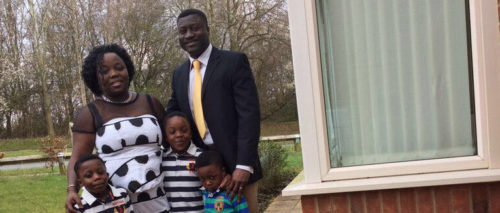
(230, 106)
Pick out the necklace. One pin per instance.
(130, 94)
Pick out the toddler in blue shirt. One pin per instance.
(211, 171)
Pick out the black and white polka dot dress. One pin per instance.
(131, 149)
(130, 146)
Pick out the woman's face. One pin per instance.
(113, 77)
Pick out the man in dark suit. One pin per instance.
(216, 89)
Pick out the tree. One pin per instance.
(43, 43)
(38, 25)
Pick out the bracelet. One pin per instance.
(72, 186)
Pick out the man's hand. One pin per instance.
(226, 183)
(73, 198)
(240, 179)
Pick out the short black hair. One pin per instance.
(85, 158)
(207, 158)
(93, 62)
(173, 114)
(170, 115)
(192, 11)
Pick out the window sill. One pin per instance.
(299, 187)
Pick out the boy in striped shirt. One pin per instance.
(97, 195)
(181, 183)
(211, 171)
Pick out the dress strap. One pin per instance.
(97, 117)
(150, 102)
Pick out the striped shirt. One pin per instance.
(117, 200)
(181, 183)
(218, 202)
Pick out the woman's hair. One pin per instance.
(93, 63)
(207, 158)
(85, 158)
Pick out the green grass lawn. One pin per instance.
(16, 144)
(44, 190)
(294, 161)
(22, 147)
(32, 193)
(29, 172)
(293, 158)
(10, 154)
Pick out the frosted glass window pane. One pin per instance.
(397, 80)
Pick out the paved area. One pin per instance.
(288, 204)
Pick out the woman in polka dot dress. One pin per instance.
(123, 127)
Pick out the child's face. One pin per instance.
(92, 174)
(178, 133)
(211, 176)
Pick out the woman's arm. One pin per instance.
(158, 107)
(83, 143)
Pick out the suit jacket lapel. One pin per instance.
(211, 67)
(184, 86)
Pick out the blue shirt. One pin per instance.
(218, 202)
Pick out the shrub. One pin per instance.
(52, 146)
(273, 160)
(276, 176)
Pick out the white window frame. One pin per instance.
(319, 177)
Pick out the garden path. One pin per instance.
(288, 204)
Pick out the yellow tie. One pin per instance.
(197, 107)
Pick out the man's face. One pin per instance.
(193, 35)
